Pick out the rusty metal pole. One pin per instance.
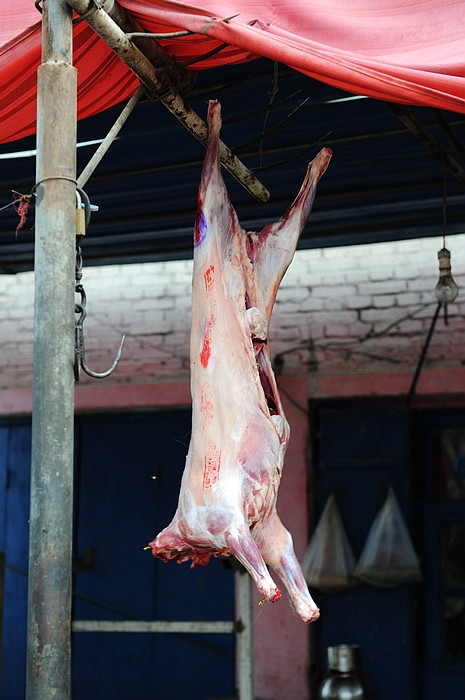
(49, 593)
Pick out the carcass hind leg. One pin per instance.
(240, 543)
(278, 552)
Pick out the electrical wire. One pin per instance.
(311, 346)
(371, 335)
(424, 350)
(292, 400)
(313, 145)
(257, 112)
(264, 134)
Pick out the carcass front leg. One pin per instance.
(278, 552)
(241, 544)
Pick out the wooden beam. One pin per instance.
(158, 83)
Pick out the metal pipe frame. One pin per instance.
(242, 627)
(157, 626)
(50, 546)
(109, 138)
(245, 639)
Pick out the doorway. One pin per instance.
(439, 474)
(411, 637)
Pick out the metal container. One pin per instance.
(343, 681)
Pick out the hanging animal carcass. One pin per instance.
(227, 501)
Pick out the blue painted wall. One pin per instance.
(118, 509)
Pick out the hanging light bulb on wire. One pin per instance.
(446, 290)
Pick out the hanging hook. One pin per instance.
(80, 308)
(79, 346)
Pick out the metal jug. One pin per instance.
(342, 681)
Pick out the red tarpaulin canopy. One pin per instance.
(402, 51)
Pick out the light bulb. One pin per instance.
(446, 290)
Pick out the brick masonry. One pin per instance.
(356, 309)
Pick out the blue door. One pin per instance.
(439, 464)
(119, 507)
(361, 452)
(15, 459)
(412, 638)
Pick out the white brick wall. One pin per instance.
(332, 298)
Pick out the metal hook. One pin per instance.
(79, 346)
(80, 361)
(83, 203)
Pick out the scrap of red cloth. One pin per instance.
(405, 51)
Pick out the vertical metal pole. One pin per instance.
(245, 638)
(49, 595)
(2, 602)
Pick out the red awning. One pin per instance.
(401, 51)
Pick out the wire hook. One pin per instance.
(79, 345)
(80, 358)
(80, 308)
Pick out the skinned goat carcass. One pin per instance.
(227, 501)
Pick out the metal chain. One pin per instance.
(80, 308)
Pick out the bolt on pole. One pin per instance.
(49, 592)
